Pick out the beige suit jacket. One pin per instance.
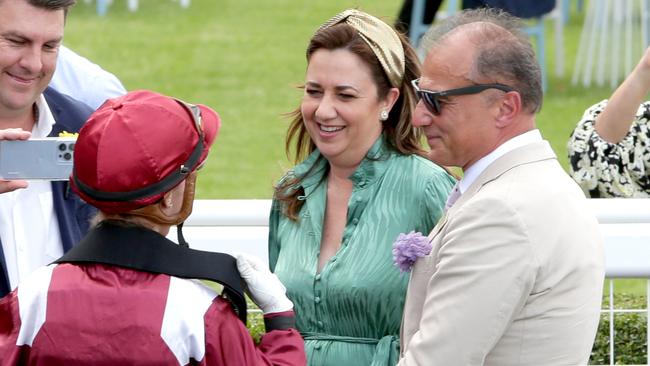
(515, 275)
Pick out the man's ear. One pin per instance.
(166, 203)
(509, 109)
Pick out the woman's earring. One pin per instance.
(383, 115)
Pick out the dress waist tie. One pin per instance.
(386, 349)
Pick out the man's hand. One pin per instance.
(614, 122)
(13, 134)
(264, 287)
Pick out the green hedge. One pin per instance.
(255, 325)
(630, 333)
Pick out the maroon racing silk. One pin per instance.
(95, 314)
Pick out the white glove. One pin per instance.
(264, 287)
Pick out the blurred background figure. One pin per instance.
(403, 22)
(519, 8)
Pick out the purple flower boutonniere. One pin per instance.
(407, 248)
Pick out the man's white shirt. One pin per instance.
(84, 80)
(29, 228)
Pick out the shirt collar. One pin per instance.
(477, 168)
(43, 126)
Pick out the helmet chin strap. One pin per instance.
(179, 235)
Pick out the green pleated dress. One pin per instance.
(350, 312)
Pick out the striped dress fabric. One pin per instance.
(350, 312)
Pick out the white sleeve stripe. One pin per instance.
(183, 328)
(32, 304)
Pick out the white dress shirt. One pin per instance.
(29, 229)
(83, 80)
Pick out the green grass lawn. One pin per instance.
(245, 58)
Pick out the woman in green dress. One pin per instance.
(361, 180)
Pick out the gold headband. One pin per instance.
(381, 38)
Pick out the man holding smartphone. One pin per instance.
(39, 220)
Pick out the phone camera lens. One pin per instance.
(71, 147)
(67, 156)
(62, 147)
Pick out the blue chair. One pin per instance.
(102, 7)
(418, 27)
(536, 32)
(566, 8)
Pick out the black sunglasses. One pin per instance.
(431, 98)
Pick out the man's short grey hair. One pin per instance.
(503, 52)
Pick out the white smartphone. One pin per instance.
(48, 158)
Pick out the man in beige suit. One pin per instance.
(516, 270)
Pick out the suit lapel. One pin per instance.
(436, 229)
(524, 155)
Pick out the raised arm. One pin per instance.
(615, 120)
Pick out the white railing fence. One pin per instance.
(242, 226)
(625, 225)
